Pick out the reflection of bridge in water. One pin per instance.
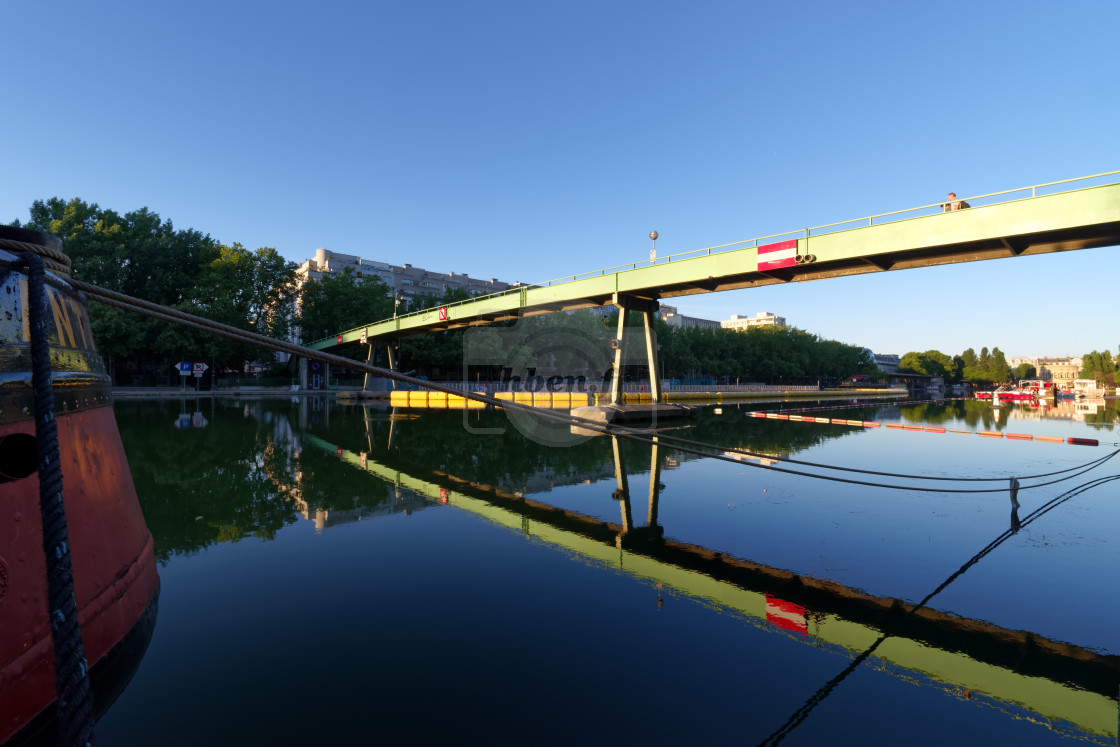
(1014, 670)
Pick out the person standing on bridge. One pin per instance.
(953, 204)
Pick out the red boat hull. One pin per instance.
(116, 584)
(115, 577)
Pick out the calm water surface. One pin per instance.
(346, 574)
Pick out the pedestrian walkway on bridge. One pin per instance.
(1061, 216)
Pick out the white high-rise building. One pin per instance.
(403, 280)
(739, 323)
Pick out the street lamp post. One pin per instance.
(653, 251)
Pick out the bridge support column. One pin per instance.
(369, 362)
(392, 363)
(652, 357)
(647, 307)
(619, 344)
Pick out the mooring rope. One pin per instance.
(53, 259)
(157, 311)
(72, 678)
(75, 701)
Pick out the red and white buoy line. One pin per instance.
(872, 403)
(795, 416)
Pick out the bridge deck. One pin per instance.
(1079, 219)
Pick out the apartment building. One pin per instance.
(670, 316)
(405, 281)
(740, 323)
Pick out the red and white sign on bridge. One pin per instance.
(774, 256)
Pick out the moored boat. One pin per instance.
(115, 582)
(1006, 394)
(1086, 389)
(1040, 388)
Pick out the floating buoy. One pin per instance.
(1083, 441)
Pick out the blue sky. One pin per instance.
(528, 140)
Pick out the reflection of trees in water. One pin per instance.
(199, 486)
(734, 430)
(435, 440)
(242, 475)
(929, 413)
(977, 414)
(245, 474)
(1107, 415)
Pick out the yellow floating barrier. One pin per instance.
(398, 398)
(542, 399)
(418, 399)
(561, 399)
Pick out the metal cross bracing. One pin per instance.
(1023, 226)
(926, 236)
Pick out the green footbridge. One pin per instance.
(1041, 219)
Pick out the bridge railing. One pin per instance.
(991, 198)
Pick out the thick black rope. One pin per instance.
(75, 701)
(156, 311)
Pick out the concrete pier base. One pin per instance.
(643, 414)
(354, 395)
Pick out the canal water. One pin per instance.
(346, 574)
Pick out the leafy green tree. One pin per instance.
(1098, 365)
(958, 368)
(929, 363)
(998, 368)
(341, 302)
(254, 291)
(988, 367)
(1025, 371)
(136, 254)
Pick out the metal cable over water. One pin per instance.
(713, 451)
(825, 690)
(75, 706)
